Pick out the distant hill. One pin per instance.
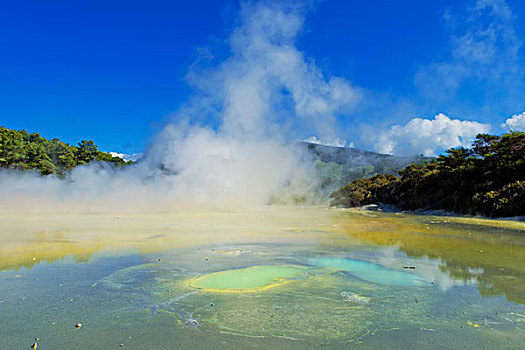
(338, 166)
(21, 150)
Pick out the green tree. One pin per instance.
(85, 152)
(488, 179)
(21, 150)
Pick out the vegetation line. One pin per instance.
(487, 179)
(24, 151)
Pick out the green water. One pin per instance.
(253, 278)
(285, 278)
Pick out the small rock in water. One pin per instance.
(354, 297)
(192, 322)
(160, 259)
(34, 346)
(409, 267)
(212, 304)
(78, 325)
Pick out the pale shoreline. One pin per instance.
(387, 208)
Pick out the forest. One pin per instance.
(487, 179)
(21, 150)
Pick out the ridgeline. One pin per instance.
(21, 150)
(488, 180)
(337, 166)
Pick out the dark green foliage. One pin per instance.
(488, 179)
(23, 151)
(361, 191)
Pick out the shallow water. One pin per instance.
(251, 279)
(370, 272)
(275, 277)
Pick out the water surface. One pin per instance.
(289, 278)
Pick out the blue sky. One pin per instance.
(117, 71)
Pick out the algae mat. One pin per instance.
(251, 279)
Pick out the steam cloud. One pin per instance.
(265, 94)
(334, 142)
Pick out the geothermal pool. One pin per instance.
(276, 277)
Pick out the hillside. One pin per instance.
(337, 166)
(488, 180)
(21, 150)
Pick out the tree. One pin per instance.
(455, 157)
(85, 152)
(485, 144)
(21, 150)
(488, 179)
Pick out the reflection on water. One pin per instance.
(336, 278)
(487, 252)
(371, 272)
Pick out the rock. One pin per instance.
(78, 325)
(354, 297)
(34, 346)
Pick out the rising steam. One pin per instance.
(259, 99)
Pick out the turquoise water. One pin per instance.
(370, 272)
(129, 282)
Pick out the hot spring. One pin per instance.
(283, 277)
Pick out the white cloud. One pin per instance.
(429, 136)
(515, 123)
(127, 157)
